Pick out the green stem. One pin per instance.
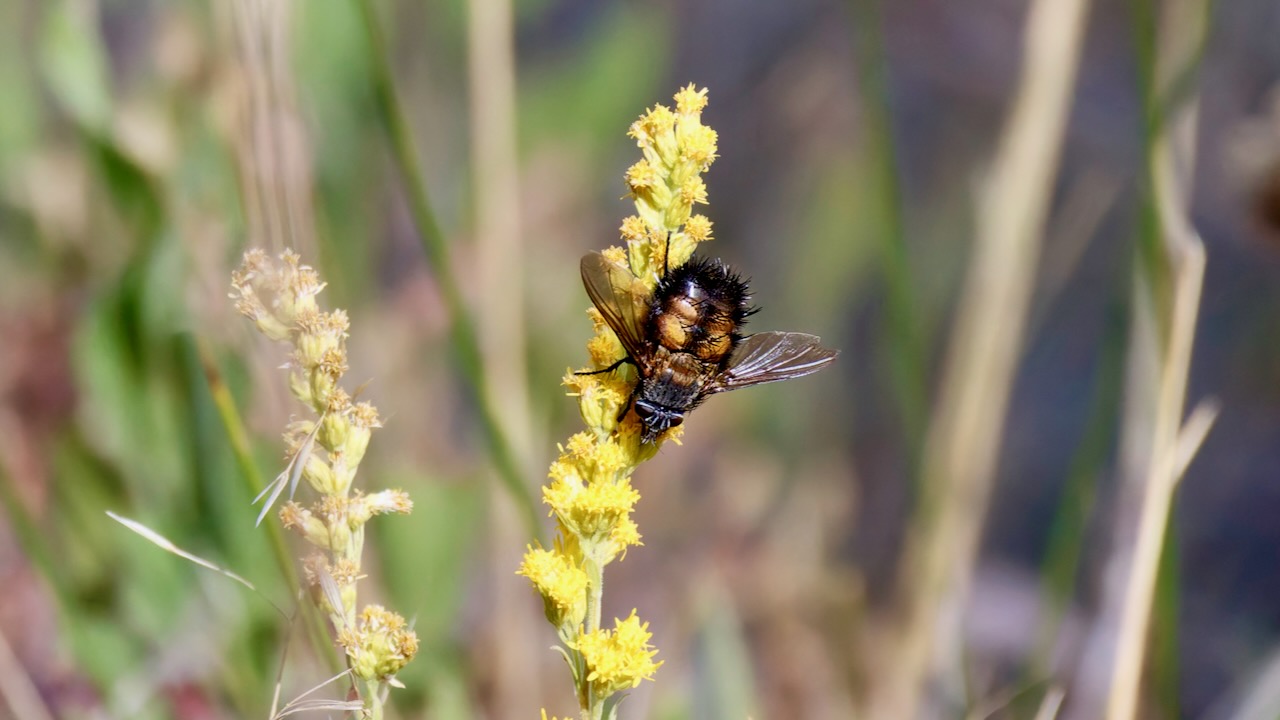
(240, 447)
(372, 697)
(905, 350)
(592, 706)
(243, 452)
(594, 596)
(466, 347)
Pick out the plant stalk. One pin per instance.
(466, 346)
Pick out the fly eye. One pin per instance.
(643, 411)
(676, 420)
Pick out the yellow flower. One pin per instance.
(698, 228)
(590, 492)
(642, 175)
(589, 510)
(625, 534)
(697, 144)
(633, 228)
(295, 517)
(379, 645)
(618, 659)
(560, 581)
(600, 398)
(690, 100)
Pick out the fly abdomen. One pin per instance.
(698, 309)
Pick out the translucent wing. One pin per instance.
(621, 298)
(772, 356)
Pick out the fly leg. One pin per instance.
(626, 407)
(666, 256)
(611, 368)
(630, 398)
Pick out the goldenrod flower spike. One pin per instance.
(280, 298)
(589, 492)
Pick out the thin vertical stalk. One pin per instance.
(497, 200)
(501, 329)
(229, 414)
(960, 451)
(904, 348)
(1169, 287)
(466, 346)
(592, 708)
(1157, 444)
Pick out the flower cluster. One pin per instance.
(590, 492)
(326, 450)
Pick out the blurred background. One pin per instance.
(145, 144)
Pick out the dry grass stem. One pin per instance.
(960, 452)
(500, 305)
(272, 154)
(1173, 317)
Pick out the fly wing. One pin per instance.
(772, 356)
(622, 300)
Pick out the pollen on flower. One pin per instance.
(655, 122)
(365, 415)
(600, 460)
(338, 402)
(698, 228)
(564, 477)
(305, 283)
(615, 255)
(560, 581)
(297, 518)
(633, 229)
(380, 644)
(690, 100)
(310, 321)
(604, 349)
(642, 175)
(292, 515)
(580, 445)
(593, 510)
(336, 322)
(254, 262)
(389, 501)
(333, 508)
(698, 145)
(600, 397)
(619, 659)
(694, 190)
(625, 534)
(333, 362)
(345, 572)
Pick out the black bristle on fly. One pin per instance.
(722, 294)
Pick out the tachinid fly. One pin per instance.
(684, 340)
